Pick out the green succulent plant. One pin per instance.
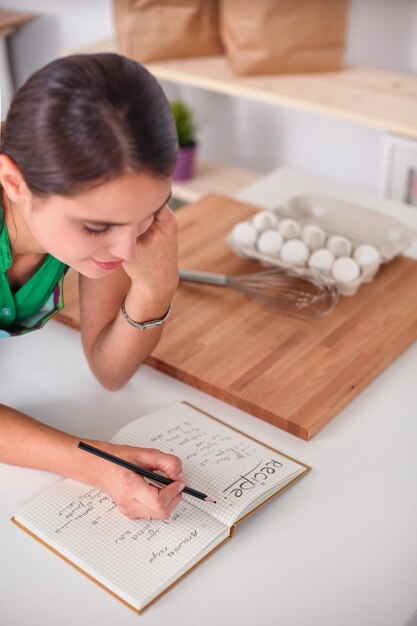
(185, 123)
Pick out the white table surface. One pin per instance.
(339, 548)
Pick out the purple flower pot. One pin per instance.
(184, 168)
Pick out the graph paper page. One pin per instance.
(135, 559)
(233, 469)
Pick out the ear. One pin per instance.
(12, 181)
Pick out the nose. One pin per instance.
(124, 247)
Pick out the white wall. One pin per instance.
(59, 24)
(381, 33)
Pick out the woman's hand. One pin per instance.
(154, 272)
(134, 497)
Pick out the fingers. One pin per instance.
(166, 213)
(142, 500)
(166, 220)
(135, 497)
(161, 502)
(153, 459)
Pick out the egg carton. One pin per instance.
(337, 218)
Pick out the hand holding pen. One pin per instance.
(158, 502)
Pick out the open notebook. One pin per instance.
(137, 560)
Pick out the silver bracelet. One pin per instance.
(148, 323)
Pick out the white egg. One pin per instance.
(269, 242)
(345, 269)
(294, 252)
(244, 234)
(264, 220)
(339, 245)
(366, 255)
(314, 236)
(317, 210)
(321, 259)
(289, 229)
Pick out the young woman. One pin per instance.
(87, 153)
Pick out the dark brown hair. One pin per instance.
(85, 119)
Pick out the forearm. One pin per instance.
(121, 348)
(28, 443)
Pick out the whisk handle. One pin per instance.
(210, 278)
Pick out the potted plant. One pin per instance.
(186, 130)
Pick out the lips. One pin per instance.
(107, 265)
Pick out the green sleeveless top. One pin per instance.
(35, 302)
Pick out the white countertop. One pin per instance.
(339, 548)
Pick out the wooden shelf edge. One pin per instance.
(325, 94)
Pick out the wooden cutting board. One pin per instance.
(294, 374)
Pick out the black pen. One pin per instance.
(142, 471)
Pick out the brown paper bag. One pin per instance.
(148, 30)
(283, 36)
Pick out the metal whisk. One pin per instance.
(301, 293)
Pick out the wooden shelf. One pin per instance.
(213, 178)
(10, 20)
(368, 96)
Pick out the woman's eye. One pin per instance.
(96, 232)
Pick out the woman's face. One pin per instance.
(95, 231)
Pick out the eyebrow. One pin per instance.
(99, 223)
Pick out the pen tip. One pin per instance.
(210, 500)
